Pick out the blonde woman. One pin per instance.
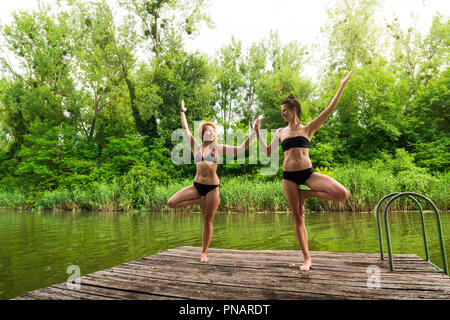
(205, 189)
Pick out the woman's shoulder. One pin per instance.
(280, 131)
(286, 132)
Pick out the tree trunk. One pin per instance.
(156, 35)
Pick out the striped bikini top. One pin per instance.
(295, 142)
(211, 156)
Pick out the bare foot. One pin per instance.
(204, 258)
(306, 266)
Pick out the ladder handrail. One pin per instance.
(427, 255)
(410, 195)
(377, 215)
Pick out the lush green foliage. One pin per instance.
(147, 187)
(87, 123)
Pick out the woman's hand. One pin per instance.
(256, 127)
(315, 124)
(345, 79)
(183, 108)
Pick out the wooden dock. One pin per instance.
(255, 274)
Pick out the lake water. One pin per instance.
(37, 247)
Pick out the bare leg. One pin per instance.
(212, 201)
(185, 203)
(323, 187)
(292, 193)
(185, 197)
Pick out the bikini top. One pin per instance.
(295, 142)
(210, 156)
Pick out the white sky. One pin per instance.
(252, 20)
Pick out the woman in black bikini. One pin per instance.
(206, 182)
(297, 167)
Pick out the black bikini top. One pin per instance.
(295, 142)
(210, 156)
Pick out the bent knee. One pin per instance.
(343, 194)
(171, 203)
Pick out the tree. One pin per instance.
(282, 77)
(419, 58)
(429, 123)
(97, 67)
(67, 89)
(352, 34)
(435, 49)
(182, 75)
(163, 24)
(253, 68)
(43, 88)
(369, 119)
(228, 83)
(406, 53)
(166, 22)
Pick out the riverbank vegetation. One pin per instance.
(368, 182)
(86, 119)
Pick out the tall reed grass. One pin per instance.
(367, 183)
(240, 194)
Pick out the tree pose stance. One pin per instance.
(297, 167)
(206, 182)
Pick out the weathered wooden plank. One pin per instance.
(318, 264)
(255, 274)
(232, 290)
(237, 274)
(26, 296)
(329, 287)
(292, 252)
(416, 264)
(60, 289)
(195, 290)
(110, 292)
(289, 273)
(55, 294)
(269, 266)
(203, 271)
(157, 268)
(106, 281)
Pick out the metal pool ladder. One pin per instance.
(412, 196)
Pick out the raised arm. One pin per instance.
(275, 140)
(188, 133)
(226, 149)
(315, 124)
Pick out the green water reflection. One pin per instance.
(37, 247)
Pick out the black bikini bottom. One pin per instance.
(299, 177)
(203, 189)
